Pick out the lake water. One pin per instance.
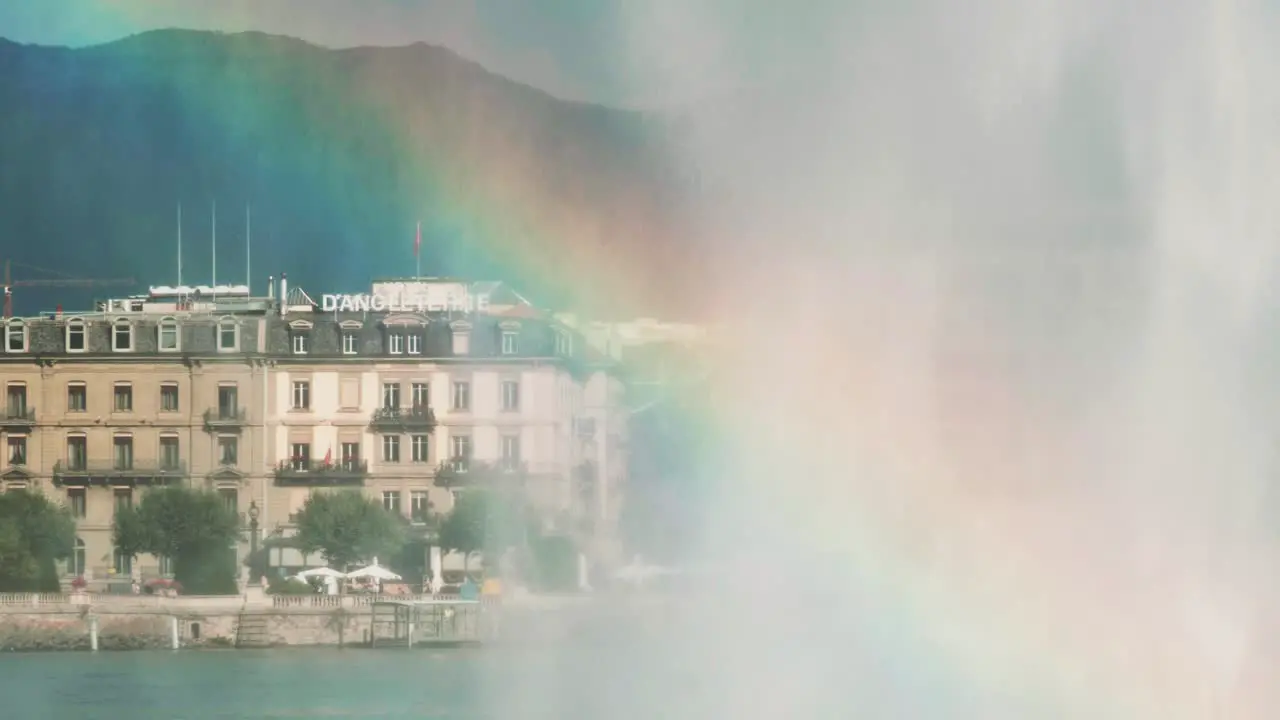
(548, 669)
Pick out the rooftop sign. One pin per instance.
(405, 302)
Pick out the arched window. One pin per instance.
(122, 335)
(15, 336)
(167, 335)
(228, 335)
(76, 338)
(75, 564)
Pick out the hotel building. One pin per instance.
(269, 399)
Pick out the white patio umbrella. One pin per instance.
(320, 572)
(374, 571)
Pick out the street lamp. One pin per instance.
(253, 541)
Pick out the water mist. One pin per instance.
(998, 376)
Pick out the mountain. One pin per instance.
(340, 153)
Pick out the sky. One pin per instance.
(566, 47)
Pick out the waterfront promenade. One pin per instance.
(88, 621)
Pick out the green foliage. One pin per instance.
(193, 527)
(34, 534)
(483, 521)
(348, 528)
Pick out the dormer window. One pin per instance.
(300, 340)
(167, 335)
(350, 330)
(15, 336)
(122, 336)
(461, 337)
(413, 343)
(564, 343)
(395, 342)
(228, 335)
(509, 338)
(75, 335)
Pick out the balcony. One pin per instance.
(408, 420)
(316, 473)
(109, 472)
(464, 472)
(225, 419)
(17, 418)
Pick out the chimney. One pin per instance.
(271, 287)
(284, 295)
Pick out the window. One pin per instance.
(169, 397)
(301, 395)
(228, 450)
(510, 342)
(510, 452)
(75, 335)
(76, 563)
(167, 335)
(123, 499)
(230, 499)
(395, 343)
(15, 400)
(77, 452)
(228, 335)
(461, 339)
(564, 343)
(510, 395)
(414, 342)
(77, 501)
(122, 452)
(299, 343)
(461, 447)
(391, 448)
(123, 563)
(300, 456)
(122, 336)
(169, 453)
(419, 505)
(15, 336)
(350, 455)
(77, 397)
(228, 402)
(391, 501)
(17, 454)
(418, 445)
(420, 395)
(348, 343)
(123, 401)
(462, 395)
(391, 396)
(166, 565)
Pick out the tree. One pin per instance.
(34, 534)
(348, 528)
(482, 521)
(193, 528)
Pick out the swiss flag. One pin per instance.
(417, 241)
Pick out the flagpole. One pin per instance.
(417, 253)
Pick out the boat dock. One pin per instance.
(433, 623)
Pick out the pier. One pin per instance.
(434, 623)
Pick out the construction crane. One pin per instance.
(63, 281)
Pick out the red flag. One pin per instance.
(417, 241)
(328, 456)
